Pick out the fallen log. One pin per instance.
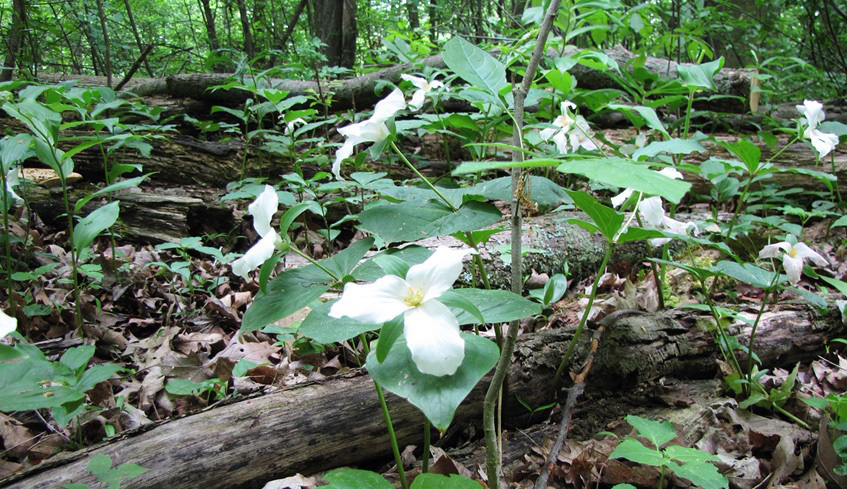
(338, 422)
(358, 93)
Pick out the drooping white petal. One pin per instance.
(823, 142)
(793, 267)
(567, 104)
(804, 252)
(291, 125)
(774, 250)
(417, 99)
(435, 85)
(437, 273)
(257, 255)
(547, 133)
(679, 227)
(417, 81)
(263, 209)
(656, 242)
(561, 140)
(812, 112)
(671, 172)
(342, 154)
(432, 335)
(390, 105)
(9, 324)
(12, 181)
(652, 212)
(619, 199)
(374, 303)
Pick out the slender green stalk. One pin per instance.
(394, 446)
(314, 262)
(688, 113)
(722, 331)
(427, 441)
(837, 188)
(661, 477)
(423, 178)
(656, 277)
(752, 338)
(572, 345)
(8, 245)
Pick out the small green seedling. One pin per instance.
(100, 467)
(689, 463)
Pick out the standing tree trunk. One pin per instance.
(107, 47)
(209, 21)
(336, 27)
(292, 24)
(16, 37)
(137, 36)
(414, 18)
(433, 20)
(245, 28)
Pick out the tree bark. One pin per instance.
(338, 422)
(209, 21)
(15, 40)
(245, 29)
(336, 27)
(414, 16)
(107, 43)
(137, 36)
(283, 43)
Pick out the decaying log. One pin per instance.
(359, 93)
(338, 422)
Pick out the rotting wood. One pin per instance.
(338, 422)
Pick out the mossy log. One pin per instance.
(337, 422)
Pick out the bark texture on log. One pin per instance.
(358, 93)
(338, 422)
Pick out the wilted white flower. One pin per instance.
(653, 214)
(262, 210)
(292, 124)
(372, 130)
(12, 181)
(430, 328)
(572, 132)
(7, 324)
(793, 257)
(813, 115)
(668, 171)
(423, 88)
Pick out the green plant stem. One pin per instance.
(753, 337)
(656, 277)
(791, 417)
(314, 262)
(426, 444)
(688, 115)
(74, 254)
(837, 188)
(8, 245)
(722, 331)
(423, 178)
(443, 136)
(662, 478)
(572, 345)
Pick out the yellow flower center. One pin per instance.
(792, 252)
(413, 298)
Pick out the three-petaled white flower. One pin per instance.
(7, 324)
(653, 213)
(793, 256)
(262, 210)
(372, 130)
(668, 171)
(423, 88)
(813, 115)
(572, 132)
(13, 180)
(430, 328)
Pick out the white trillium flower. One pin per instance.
(8, 324)
(793, 257)
(669, 172)
(430, 328)
(653, 214)
(12, 181)
(290, 126)
(813, 115)
(372, 130)
(262, 210)
(423, 88)
(572, 132)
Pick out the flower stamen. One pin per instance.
(413, 298)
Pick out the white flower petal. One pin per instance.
(678, 227)
(619, 199)
(547, 133)
(561, 140)
(805, 252)
(374, 303)
(435, 85)
(437, 273)
(390, 105)
(256, 255)
(417, 81)
(263, 209)
(12, 181)
(417, 99)
(567, 104)
(656, 242)
(813, 112)
(652, 212)
(823, 142)
(793, 267)
(432, 335)
(774, 250)
(671, 172)
(8, 324)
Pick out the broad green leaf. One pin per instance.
(87, 229)
(322, 328)
(413, 221)
(356, 479)
(388, 335)
(95, 375)
(13, 150)
(747, 152)
(841, 286)
(438, 481)
(640, 234)
(657, 432)
(437, 397)
(700, 274)
(123, 184)
(634, 451)
(392, 264)
(701, 75)
(623, 173)
(701, 474)
(455, 300)
(77, 358)
(290, 215)
(747, 273)
(673, 146)
(481, 166)
(686, 455)
(607, 220)
(646, 113)
(475, 66)
(496, 306)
